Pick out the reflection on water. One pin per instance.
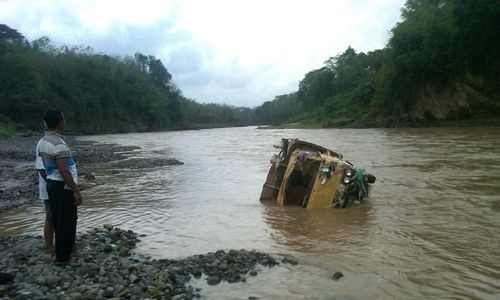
(430, 229)
(318, 231)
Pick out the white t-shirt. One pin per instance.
(42, 185)
(51, 147)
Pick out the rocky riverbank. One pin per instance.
(19, 180)
(109, 268)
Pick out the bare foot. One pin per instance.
(72, 262)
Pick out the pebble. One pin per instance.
(75, 295)
(108, 248)
(196, 272)
(108, 292)
(106, 273)
(337, 275)
(287, 260)
(133, 279)
(52, 280)
(40, 281)
(213, 280)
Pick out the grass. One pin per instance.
(7, 130)
(157, 286)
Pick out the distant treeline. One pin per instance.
(440, 64)
(98, 93)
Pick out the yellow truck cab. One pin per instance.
(312, 176)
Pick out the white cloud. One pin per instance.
(237, 52)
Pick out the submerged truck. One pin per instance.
(311, 176)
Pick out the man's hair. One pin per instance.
(53, 117)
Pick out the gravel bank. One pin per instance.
(110, 269)
(19, 180)
(22, 148)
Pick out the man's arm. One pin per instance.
(39, 162)
(68, 179)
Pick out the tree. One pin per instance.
(316, 86)
(158, 72)
(11, 36)
(42, 44)
(477, 38)
(116, 94)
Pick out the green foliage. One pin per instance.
(210, 114)
(157, 286)
(97, 92)
(10, 36)
(315, 87)
(477, 40)
(282, 108)
(8, 130)
(438, 42)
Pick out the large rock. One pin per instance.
(337, 275)
(52, 280)
(213, 280)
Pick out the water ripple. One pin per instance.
(430, 229)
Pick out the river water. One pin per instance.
(431, 228)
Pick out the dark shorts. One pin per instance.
(48, 210)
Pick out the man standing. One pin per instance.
(62, 187)
(48, 229)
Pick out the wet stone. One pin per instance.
(287, 260)
(108, 248)
(52, 280)
(213, 280)
(123, 252)
(109, 227)
(196, 272)
(40, 280)
(75, 295)
(133, 279)
(108, 292)
(337, 275)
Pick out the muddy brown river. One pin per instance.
(431, 228)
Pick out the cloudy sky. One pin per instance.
(240, 52)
